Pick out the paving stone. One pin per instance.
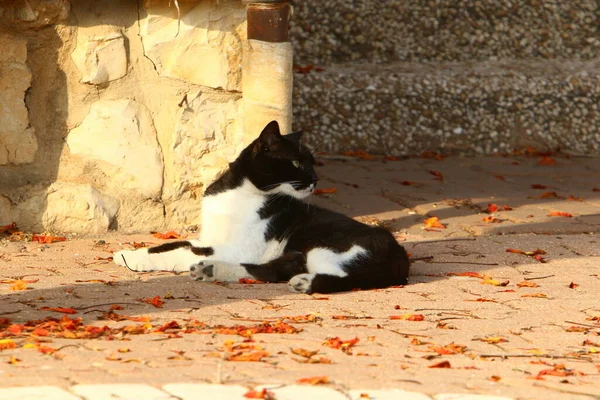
(192, 391)
(36, 393)
(389, 394)
(302, 392)
(460, 396)
(121, 391)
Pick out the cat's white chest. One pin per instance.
(230, 220)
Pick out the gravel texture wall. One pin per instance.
(465, 76)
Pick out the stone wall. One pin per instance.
(114, 114)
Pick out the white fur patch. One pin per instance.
(232, 226)
(289, 190)
(325, 261)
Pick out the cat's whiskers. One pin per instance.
(314, 148)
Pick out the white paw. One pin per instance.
(135, 260)
(301, 283)
(203, 271)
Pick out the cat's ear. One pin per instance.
(269, 136)
(295, 136)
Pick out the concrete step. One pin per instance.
(468, 107)
(375, 31)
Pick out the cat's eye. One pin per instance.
(296, 163)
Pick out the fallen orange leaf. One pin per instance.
(167, 235)
(344, 345)
(492, 340)
(547, 161)
(248, 281)
(7, 344)
(18, 285)
(9, 228)
(540, 295)
(315, 380)
(155, 301)
(247, 356)
(449, 349)
(573, 285)
(47, 239)
(491, 220)
(573, 198)
(560, 214)
(325, 191)
(472, 274)
(490, 281)
(13, 360)
(260, 394)
(438, 175)
(506, 208)
(63, 310)
(441, 364)
(408, 317)
(434, 222)
(527, 284)
(492, 208)
(538, 186)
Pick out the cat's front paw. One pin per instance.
(301, 283)
(202, 271)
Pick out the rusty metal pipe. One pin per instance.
(268, 21)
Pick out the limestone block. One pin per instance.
(78, 208)
(207, 137)
(100, 58)
(206, 47)
(118, 138)
(66, 207)
(18, 144)
(6, 216)
(34, 14)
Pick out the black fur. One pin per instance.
(169, 246)
(269, 161)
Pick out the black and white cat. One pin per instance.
(255, 225)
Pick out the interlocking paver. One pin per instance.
(36, 393)
(122, 391)
(202, 391)
(387, 394)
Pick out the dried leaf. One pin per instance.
(573, 285)
(560, 214)
(506, 208)
(360, 154)
(441, 364)
(471, 274)
(501, 177)
(538, 186)
(13, 360)
(64, 310)
(9, 229)
(573, 198)
(247, 356)
(492, 208)
(408, 183)
(155, 301)
(315, 380)
(492, 339)
(449, 349)
(408, 317)
(434, 222)
(344, 345)
(539, 295)
(438, 175)
(325, 191)
(7, 344)
(490, 281)
(547, 161)
(491, 220)
(527, 284)
(484, 300)
(259, 394)
(18, 285)
(43, 239)
(304, 353)
(248, 281)
(167, 235)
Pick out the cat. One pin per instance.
(255, 225)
